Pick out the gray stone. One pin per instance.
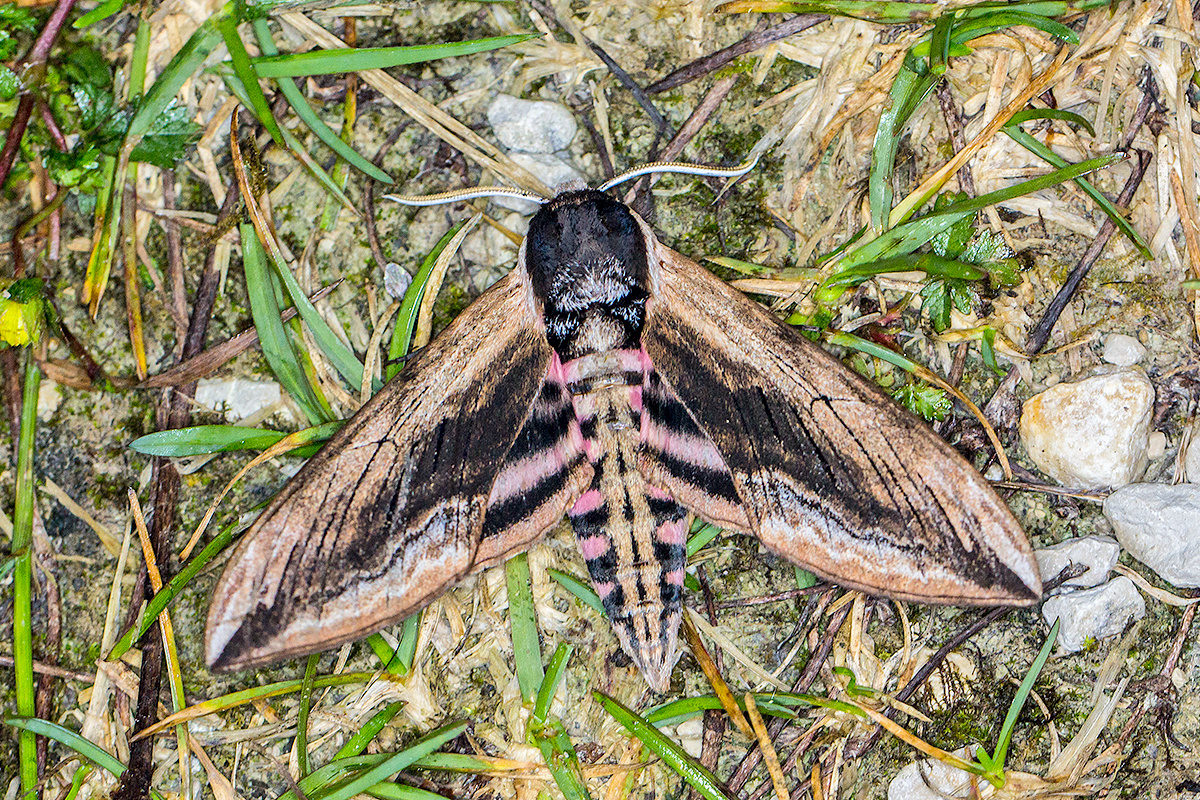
(1092, 433)
(1094, 614)
(929, 779)
(1098, 553)
(239, 398)
(533, 126)
(1160, 526)
(1122, 350)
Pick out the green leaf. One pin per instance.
(397, 762)
(952, 242)
(10, 84)
(240, 60)
(273, 336)
(987, 348)
(935, 301)
(102, 11)
(924, 400)
(204, 439)
(182, 66)
(406, 317)
(522, 617)
(84, 747)
(168, 139)
(353, 59)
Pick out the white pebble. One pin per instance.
(1094, 614)
(1191, 459)
(1156, 445)
(238, 397)
(49, 399)
(1091, 433)
(935, 780)
(1122, 350)
(1097, 553)
(550, 170)
(533, 126)
(690, 734)
(1160, 526)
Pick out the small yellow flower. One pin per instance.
(21, 312)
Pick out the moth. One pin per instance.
(613, 380)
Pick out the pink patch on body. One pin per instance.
(673, 532)
(593, 547)
(657, 493)
(674, 577)
(588, 501)
(635, 398)
(604, 589)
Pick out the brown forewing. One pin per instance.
(388, 515)
(833, 475)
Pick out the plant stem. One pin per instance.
(37, 55)
(22, 549)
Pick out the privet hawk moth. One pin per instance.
(613, 380)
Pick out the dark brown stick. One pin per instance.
(174, 411)
(709, 63)
(1041, 332)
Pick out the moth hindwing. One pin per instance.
(611, 379)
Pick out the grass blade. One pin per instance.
(410, 306)
(273, 335)
(235, 86)
(1111, 211)
(397, 762)
(173, 587)
(692, 771)
(353, 59)
(304, 111)
(84, 747)
(242, 67)
(527, 650)
(205, 439)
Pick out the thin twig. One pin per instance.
(714, 61)
(1041, 332)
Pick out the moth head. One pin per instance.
(584, 249)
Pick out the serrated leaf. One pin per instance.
(927, 401)
(171, 134)
(987, 246)
(935, 301)
(962, 294)
(952, 242)
(10, 84)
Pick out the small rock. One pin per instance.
(49, 399)
(395, 280)
(1094, 614)
(1091, 433)
(1156, 445)
(1191, 459)
(1122, 350)
(551, 170)
(1160, 526)
(690, 734)
(240, 398)
(935, 780)
(1098, 553)
(533, 126)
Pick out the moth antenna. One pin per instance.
(458, 195)
(682, 168)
